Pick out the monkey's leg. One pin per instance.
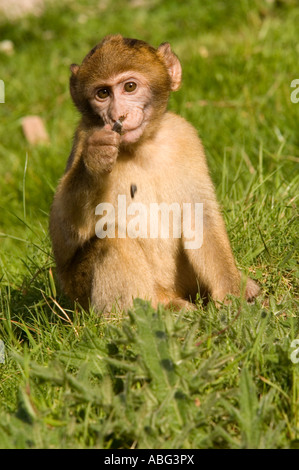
(117, 279)
(108, 277)
(214, 263)
(178, 304)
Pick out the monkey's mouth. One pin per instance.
(139, 126)
(131, 129)
(118, 127)
(131, 135)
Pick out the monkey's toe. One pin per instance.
(252, 290)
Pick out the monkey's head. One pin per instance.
(125, 78)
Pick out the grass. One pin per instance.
(155, 379)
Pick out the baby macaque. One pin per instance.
(135, 213)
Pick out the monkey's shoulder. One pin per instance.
(179, 138)
(180, 132)
(175, 122)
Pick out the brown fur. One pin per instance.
(167, 164)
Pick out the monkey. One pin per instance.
(128, 143)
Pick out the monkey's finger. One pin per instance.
(104, 137)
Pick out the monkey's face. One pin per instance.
(127, 80)
(127, 96)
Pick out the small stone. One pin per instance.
(7, 47)
(34, 130)
(203, 52)
(133, 190)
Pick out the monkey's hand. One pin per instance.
(101, 150)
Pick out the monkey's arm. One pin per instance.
(72, 218)
(70, 221)
(213, 261)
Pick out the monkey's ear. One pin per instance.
(74, 69)
(173, 65)
(77, 99)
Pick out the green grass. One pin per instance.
(155, 379)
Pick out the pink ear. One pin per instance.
(173, 65)
(74, 69)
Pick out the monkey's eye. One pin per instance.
(102, 93)
(130, 86)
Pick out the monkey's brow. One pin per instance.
(119, 78)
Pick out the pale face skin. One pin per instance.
(126, 95)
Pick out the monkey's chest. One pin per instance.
(155, 183)
(125, 209)
(144, 205)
